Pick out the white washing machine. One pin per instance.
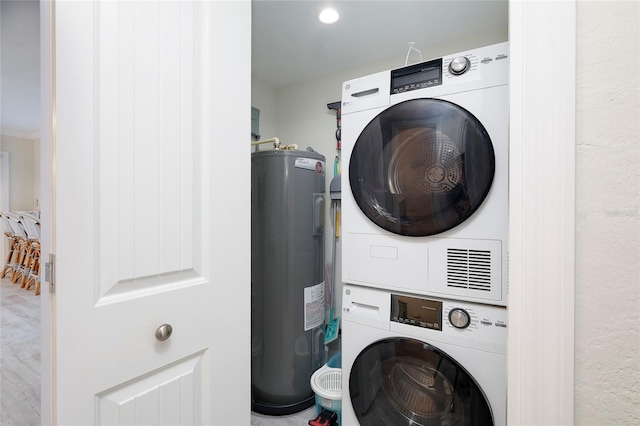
(411, 360)
(425, 177)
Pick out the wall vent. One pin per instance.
(469, 269)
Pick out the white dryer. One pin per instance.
(411, 360)
(425, 177)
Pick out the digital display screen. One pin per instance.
(418, 76)
(415, 311)
(423, 75)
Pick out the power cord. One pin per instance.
(411, 44)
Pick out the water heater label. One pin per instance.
(313, 306)
(310, 164)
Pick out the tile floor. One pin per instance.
(297, 419)
(20, 363)
(19, 355)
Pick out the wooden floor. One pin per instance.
(19, 356)
(20, 363)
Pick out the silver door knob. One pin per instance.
(164, 332)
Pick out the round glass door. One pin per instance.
(421, 167)
(407, 382)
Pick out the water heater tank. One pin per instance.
(287, 278)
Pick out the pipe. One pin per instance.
(276, 142)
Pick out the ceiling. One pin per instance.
(289, 44)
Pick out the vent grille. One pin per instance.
(469, 269)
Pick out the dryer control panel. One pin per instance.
(418, 76)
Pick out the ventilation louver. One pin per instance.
(469, 269)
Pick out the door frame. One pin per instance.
(5, 179)
(5, 186)
(47, 145)
(541, 212)
(535, 280)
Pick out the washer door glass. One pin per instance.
(408, 382)
(421, 167)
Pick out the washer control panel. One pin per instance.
(433, 314)
(425, 313)
(456, 322)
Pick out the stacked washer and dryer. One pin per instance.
(424, 243)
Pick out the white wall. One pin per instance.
(24, 173)
(36, 174)
(4, 199)
(263, 97)
(4, 180)
(607, 314)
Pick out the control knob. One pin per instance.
(459, 318)
(459, 65)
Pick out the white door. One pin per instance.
(151, 212)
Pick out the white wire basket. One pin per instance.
(326, 382)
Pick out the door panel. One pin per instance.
(140, 234)
(169, 396)
(145, 178)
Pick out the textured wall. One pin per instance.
(607, 350)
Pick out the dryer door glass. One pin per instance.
(421, 167)
(408, 382)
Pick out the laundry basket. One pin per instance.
(326, 382)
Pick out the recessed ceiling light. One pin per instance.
(328, 16)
